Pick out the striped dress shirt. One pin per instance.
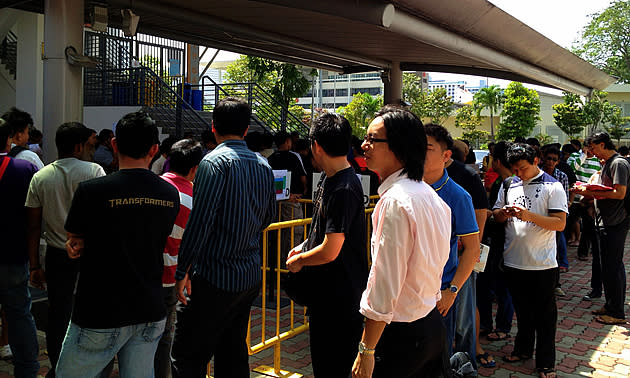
(234, 201)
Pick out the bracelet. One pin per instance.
(38, 267)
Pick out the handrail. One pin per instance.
(258, 98)
(225, 93)
(258, 340)
(9, 58)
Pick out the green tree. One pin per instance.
(543, 138)
(283, 81)
(435, 104)
(360, 112)
(240, 71)
(604, 41)
(468, 119)
(570, 116)
(491, 98)
(521, 108)
(598, 111)
(618, 126)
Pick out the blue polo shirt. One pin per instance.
(463, 220)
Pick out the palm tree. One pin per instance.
(491, 98)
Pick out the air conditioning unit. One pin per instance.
(129, 22)
(99, 19)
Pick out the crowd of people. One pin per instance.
(135, 272)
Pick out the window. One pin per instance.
(372, 91)
(342, 92)
(328, 92)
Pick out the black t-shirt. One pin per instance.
(564, 167)
(468, 179)
(287, 160)
(124, 219)
(338, 208)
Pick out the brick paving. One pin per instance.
(584, 348)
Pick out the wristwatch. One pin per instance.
(454, 289)
(364, 349)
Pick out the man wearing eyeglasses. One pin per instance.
(404, 335)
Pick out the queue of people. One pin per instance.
(135, 272)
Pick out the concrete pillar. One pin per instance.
(192, 64)
(392, 81)
(63, 84)
(30, 69)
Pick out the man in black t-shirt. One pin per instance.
(118, 225)
(290, 209)
(334, 256)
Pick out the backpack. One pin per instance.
(494, 237)
(16, 150)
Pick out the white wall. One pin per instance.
(7, 90)
(105, 117)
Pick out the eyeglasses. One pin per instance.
(549, 158)
(369, 139)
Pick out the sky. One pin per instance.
(559, 20)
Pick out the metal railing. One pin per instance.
(297, 322)
(141, 86)
(8, 53)
(275, 115)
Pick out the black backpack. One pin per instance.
(16, 150)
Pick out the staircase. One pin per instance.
(8, 53)
(115, 82)
(267, 111)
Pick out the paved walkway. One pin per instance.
(585, 348)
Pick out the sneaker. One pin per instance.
(592, 295)
(559, 292)
(5, 352)
(563, 269)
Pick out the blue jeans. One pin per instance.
(561, 243)
(465, 318)
(449, 324)
(16, 302)
(87, 351)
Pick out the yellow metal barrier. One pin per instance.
(294, 327)
(280, 334)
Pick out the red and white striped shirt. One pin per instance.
(171, 249)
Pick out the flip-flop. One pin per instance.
(547, 373)
(513, 358)
(498, 336)
(490, 362)
(609, 320)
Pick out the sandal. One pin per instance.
(610, 320)
(547, 373)
(490, 362)
(497, 335)
(514, 357)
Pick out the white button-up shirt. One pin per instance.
(410, 246)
